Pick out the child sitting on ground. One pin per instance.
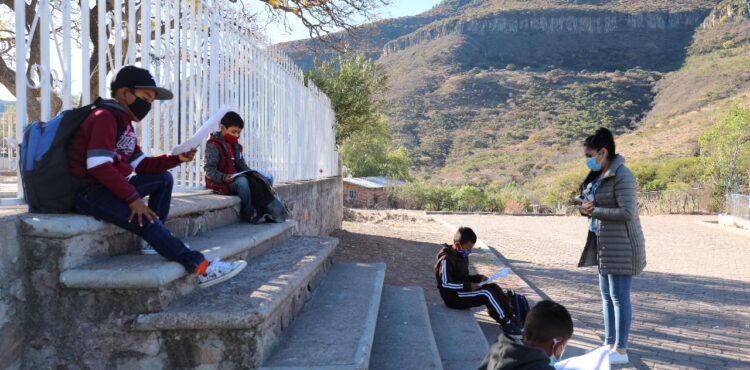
(546, 333)
(460, 290)
(224, 158)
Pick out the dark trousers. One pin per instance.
(490, 295)
(241, 187)
(99, 202)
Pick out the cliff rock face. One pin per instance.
(552, 22)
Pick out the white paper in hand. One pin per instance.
(503, 273)
(211, 125)
(595, 360)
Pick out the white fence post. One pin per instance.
(200, 51)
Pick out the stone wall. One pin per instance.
(316, 205)
(12, 294)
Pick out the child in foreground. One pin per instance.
(546, 333)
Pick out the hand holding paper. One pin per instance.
(503, 273)
(212, 124)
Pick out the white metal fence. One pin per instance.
(738, 205)
(199, 50)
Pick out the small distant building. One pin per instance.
(368, 192)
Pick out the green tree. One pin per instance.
(725, 147)
(356, 87)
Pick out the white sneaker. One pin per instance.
(598, 348)
(219, 271)
(615, 358)
(147, 248)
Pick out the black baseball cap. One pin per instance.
(138, 78)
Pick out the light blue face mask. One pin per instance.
(552, 358)
(592, 165)
(464, 253)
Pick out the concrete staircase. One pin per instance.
(98, 304)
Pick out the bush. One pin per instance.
(470, 198)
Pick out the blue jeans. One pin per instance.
(99, 202)
(241, 187)
(617, 310)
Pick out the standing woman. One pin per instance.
(615, 241)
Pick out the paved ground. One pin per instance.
(691, 306)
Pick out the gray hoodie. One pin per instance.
(508, 354)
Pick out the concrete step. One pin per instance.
(64, 241)
(136, 271)
(244, 316)
(403, 337)
(337, 327)
(461, 343)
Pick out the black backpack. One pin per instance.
(48, 185)
(264, 199)
(520, 304)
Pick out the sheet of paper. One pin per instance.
(238, 173)
(595, 360)
(503, 273)
(211, 125)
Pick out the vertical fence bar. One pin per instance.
(85, 51)
(146, 63)
(117, 28)
(67, 58)
(45, 70)
(103, 46)
(20, 6)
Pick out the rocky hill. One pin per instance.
(496, 91)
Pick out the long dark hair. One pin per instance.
(602, 138)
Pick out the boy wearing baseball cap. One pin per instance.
(105, 152)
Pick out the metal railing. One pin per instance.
(198, 50)
(738, 205)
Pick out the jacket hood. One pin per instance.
(618, 162)
(508, 353)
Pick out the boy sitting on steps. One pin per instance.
(224, 158)
(104, 152)
(460, 290)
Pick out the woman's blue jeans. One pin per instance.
(617, 310)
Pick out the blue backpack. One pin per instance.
(520, 304)
(48, 185)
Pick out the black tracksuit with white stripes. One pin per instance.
(454, 284)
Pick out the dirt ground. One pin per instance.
(407, 242)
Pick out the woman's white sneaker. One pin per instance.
(218, 271)
(616, 358)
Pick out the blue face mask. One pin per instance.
(553, 359)
(464, 253)
(592, 165)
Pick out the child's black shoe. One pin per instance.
(512, 327)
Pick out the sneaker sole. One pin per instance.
(226, 277)
(149, 252)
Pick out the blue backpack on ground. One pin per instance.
(520, 304)
(48, 185)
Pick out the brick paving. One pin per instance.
(691, 307)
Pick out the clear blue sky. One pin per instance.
(398, 8)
